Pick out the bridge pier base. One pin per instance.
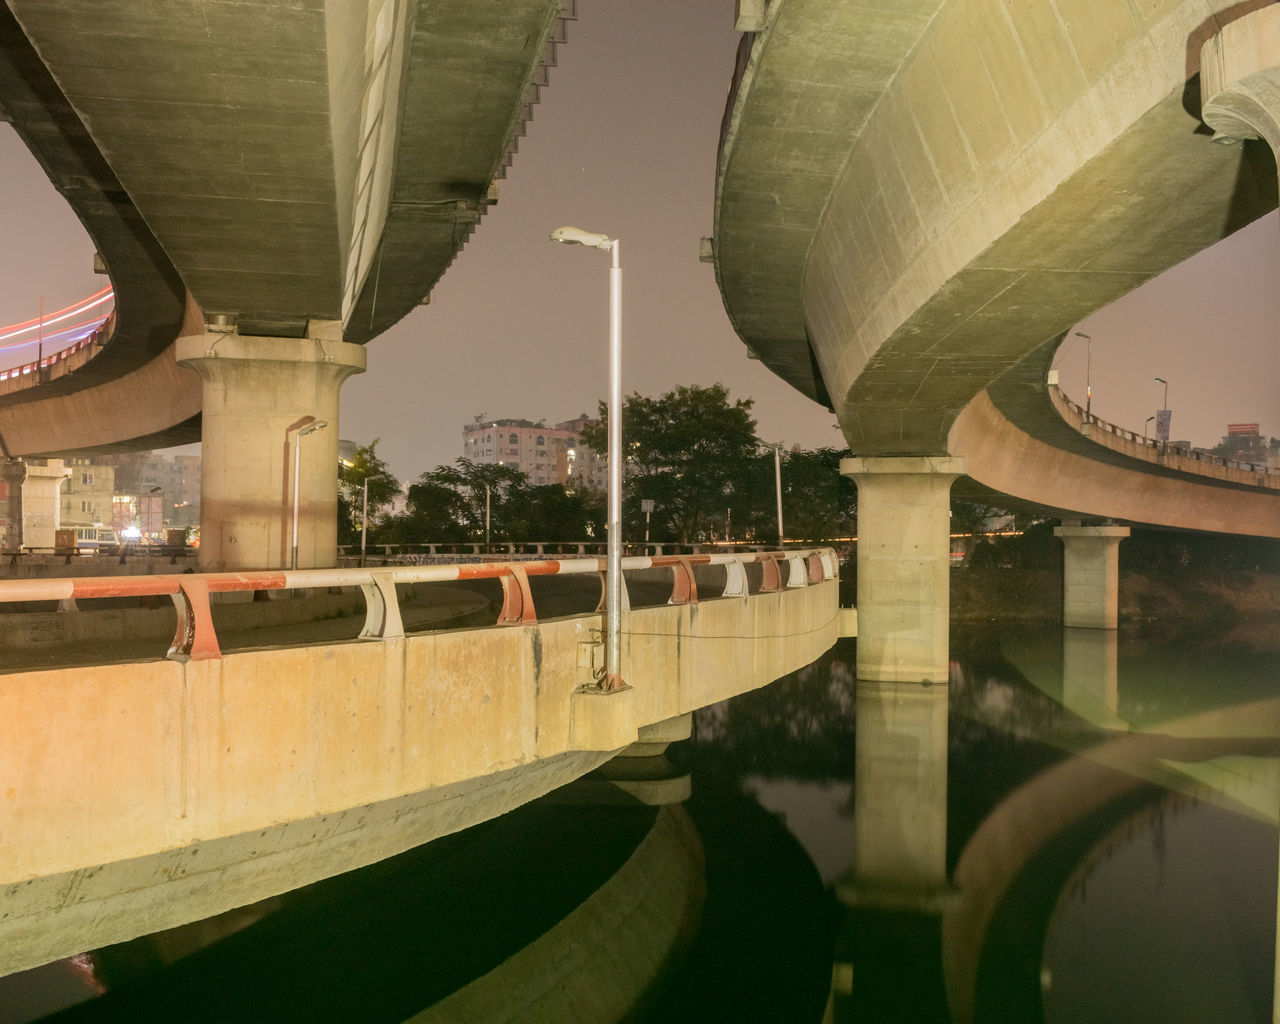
(258, 394)
(904, 564)
(1091, 574)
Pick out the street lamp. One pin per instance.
(310, 428)
(1144, 427)
(1088, 375)
(364, 513)
(777, 479)
(1163, 417)
(613, 573)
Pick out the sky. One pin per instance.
(624, 143)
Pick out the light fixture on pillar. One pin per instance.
(613, 574)
(310, 428)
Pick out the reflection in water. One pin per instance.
(1078, 827)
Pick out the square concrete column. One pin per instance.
(258, 394)
(904, 565)
(1091, 574)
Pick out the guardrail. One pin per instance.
(1252, 473)
(426, 552)
(196, 640)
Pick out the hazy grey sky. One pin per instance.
(624, 142)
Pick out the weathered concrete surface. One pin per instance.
(274, 164)
(938, 189)
(258, 394)
(1091, 574)
(904, 565)
(143, 795)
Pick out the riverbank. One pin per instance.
(1191, 595)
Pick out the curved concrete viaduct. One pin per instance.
(283, 180)
(914, 204)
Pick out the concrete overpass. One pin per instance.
(914, 205)
(149, 792)
(269, 187)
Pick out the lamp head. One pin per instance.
(576, 236)
(1162, 380)
(311, 428)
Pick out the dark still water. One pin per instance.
(1080, 828)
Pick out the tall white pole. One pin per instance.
(777, 479)
(310, 428)
(297, 446)
(613, 567)
(613, 574)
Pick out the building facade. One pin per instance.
(545, 454)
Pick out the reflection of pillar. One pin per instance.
(897, 888)
(904, 558)
(900, 795)
(1091, 574)
(1089, 677)
(15, 472)
(258, 392)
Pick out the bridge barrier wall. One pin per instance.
(146, 794)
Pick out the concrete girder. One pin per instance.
(1017, 167)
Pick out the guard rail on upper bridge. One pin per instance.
(87, 338)
(1139, 446)
(195, 638)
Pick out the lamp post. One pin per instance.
(1163, 417)
(1088, 375)
(613, 573)
(777, 480)
(364, 513)
(310, 428)
(1144, 427)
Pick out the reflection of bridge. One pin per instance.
(913, 208)
(167, 789)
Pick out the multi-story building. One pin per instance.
(86, 497)
(545, 454)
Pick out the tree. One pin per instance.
(383, 488)
(689, 451)
(818, 503)
(448, 504)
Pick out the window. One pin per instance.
(86, 478)
(541, 441)
(513, 439)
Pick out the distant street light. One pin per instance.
(613, 574)
(1164, 418)
(1144, 427)
(1088, 375)
(310, 428)
(364, 513)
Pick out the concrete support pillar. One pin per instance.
(258, 394)
(15, 472)
(904, 564)
(1091, 574)
(41, 503)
